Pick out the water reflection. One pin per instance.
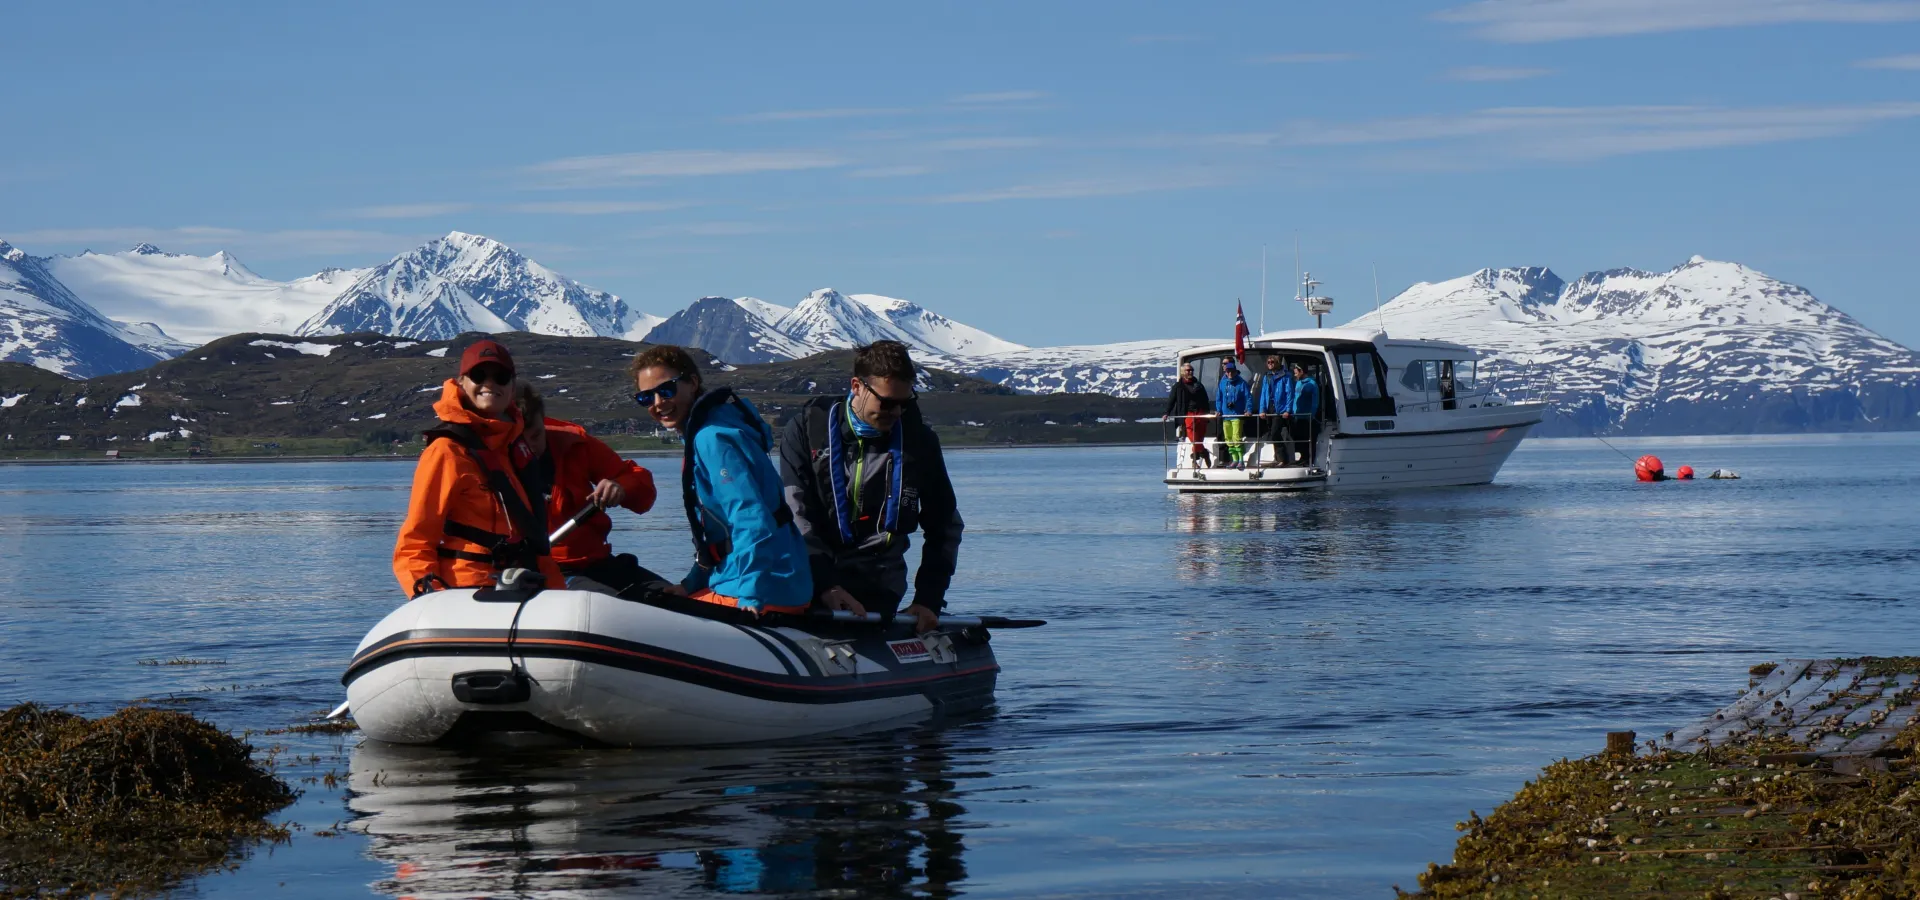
(1319, 536)
(874, 815)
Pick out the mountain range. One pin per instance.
(1705, 347)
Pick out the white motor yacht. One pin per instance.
(1393, 413)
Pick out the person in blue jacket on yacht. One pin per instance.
(1273, 395)
(748, 553)
(1303, 418)
(1231, 402)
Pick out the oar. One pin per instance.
(954, 621)
(571, 524)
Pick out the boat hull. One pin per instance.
(631, 673)
(1460, 447)
(1443, 458)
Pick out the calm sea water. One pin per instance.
(1237, 696)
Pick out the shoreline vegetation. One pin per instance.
(1760, 817)
(130, 803)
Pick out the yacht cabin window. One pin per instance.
(1362, 380)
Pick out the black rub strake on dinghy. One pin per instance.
(664, 671)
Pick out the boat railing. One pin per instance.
(1173, 437)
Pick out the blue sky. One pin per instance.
(1051, 172)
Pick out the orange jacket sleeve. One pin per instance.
(603, 463)
(416, 551)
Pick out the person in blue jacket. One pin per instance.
(1273, 395)
(748, 553)
(1231, 402)
(1303, 417)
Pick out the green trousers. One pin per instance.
(1230, 433)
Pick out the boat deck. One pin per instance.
(1252, 478)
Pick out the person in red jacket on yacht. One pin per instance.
(572, 469)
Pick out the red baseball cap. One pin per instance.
(488, 351)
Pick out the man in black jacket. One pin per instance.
(862, 473)
(1188, 398)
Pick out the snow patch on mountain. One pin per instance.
(44, 324)
(196, 299)
(1128, 369)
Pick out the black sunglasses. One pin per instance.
(890, 403)
(666, 390)
(494, 374)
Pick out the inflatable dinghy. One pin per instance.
(456, 664)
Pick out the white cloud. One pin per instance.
(889, 172)
(1493, 73)
(1595, 132)
(619, 167)
(1287, 59)
(705, 229)
(408, 210)
(986, 143)
(1113, 186)
(597, 207)
(1909, 62)
(804, 115)
(1530, 21)
(295, 243)
(1000, 97)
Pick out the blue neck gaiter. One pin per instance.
(859, 425)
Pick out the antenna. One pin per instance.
(1377, 314)
(1263, 289)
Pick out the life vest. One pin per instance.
(710, 549)
(828, 446)
(503, 551)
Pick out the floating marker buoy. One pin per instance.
(1649, 468)
(1723, 474)
(1684, 473)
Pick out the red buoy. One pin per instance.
(1684, 473)
(1649, 468)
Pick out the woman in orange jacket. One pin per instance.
(577, 469)
(469, 518)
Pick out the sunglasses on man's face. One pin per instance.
(666, 390)
(493, 374)
(889, 404)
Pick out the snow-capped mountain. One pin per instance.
(932, 332)
(828, 318)
(1129, 369)
(1707, 347)
(465, 282)
(195, 298)
(737, 330)
(42, 323)
(752, 330)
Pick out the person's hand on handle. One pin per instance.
(924, 619)
(837, 599)
(608, 494)
(675, 590)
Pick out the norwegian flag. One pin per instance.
(1239, 334)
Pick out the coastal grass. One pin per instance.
(1729, 822)
(132, 802)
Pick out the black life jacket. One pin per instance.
(828, 447)
(505, 553)
(710, 549)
